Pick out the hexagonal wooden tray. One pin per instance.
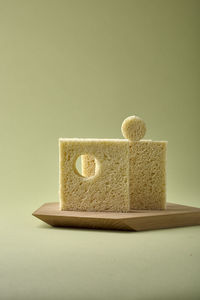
(175, 215)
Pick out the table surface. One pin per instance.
(41, 262)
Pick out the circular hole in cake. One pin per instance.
(87, 165)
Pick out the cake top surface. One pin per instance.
(133, 129)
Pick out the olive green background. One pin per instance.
(77, 69)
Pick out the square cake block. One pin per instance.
(147, 174)
(107, 188)
(147, 184)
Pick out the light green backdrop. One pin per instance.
(77, 69)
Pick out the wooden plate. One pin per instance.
(175, 215)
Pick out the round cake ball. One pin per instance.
(133, 128)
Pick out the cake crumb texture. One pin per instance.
(147, 173)
(133, 128)
(107, 189)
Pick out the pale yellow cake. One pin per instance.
(117, 175)
(147, 167)
(147, 176)
(88, 165)
(106, 188)
(133, 128)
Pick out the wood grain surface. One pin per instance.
(175, 215)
